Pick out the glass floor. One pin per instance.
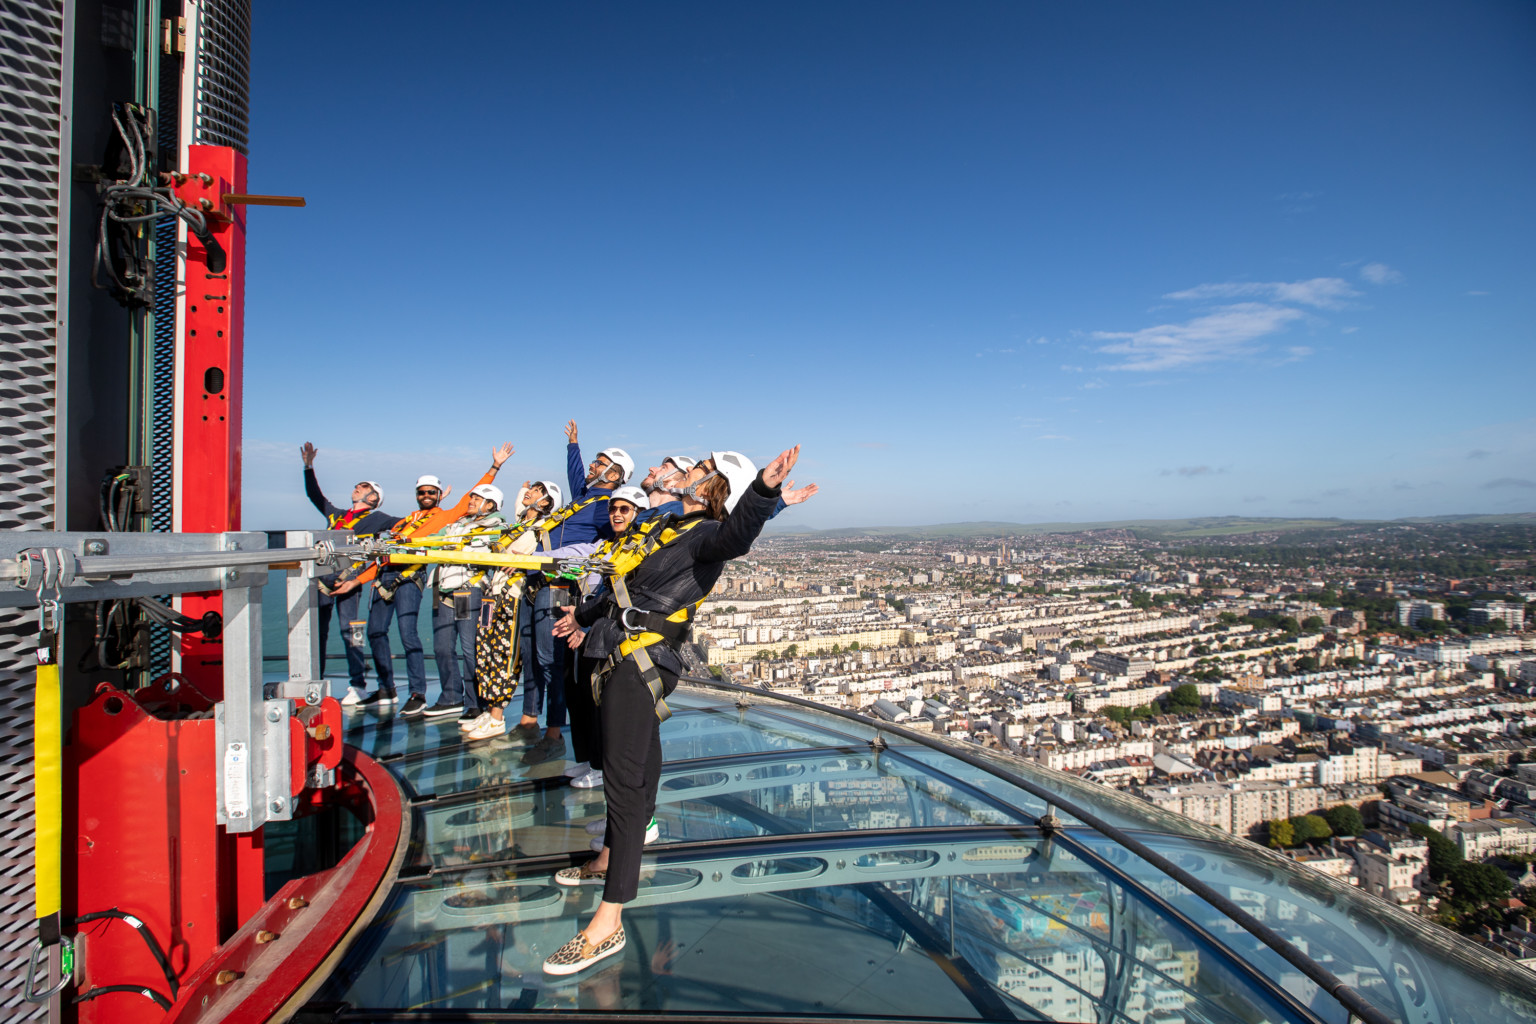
(804, 871)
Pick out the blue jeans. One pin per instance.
(544, 657)
(406, 606)
(449, 632)
(345, 610)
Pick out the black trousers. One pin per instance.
(586, 723)
(631, 773)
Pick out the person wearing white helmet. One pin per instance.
(573, 530)
(456, 599)
(398, 591)
(635, 632)
(667, 499)
(664, 481)
(586, 729)
(361, 517)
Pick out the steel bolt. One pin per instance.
(274, 715)
(263, 937)
(297, 903)
(95, 547)
(225, 977)
(231, 575)
(279, 806)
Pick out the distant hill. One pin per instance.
(1209, 526)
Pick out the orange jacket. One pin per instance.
(424, 522)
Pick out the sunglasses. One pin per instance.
(428, 490)
(623, 510)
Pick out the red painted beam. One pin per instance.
(209, 378)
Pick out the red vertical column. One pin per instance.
(209, 383)
(209, 379)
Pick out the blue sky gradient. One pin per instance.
(1003, 261)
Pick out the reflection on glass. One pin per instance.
(803, 871)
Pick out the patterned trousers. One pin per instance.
(496, 649)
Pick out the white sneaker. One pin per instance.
(471, 724)
(591, 780)
(354, 696)
(652, 833)
(576, 771)
(486, 730)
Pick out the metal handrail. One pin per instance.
(1325, 979)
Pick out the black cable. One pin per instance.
(154, 950)
(143, 990)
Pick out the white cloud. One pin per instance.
(1380, 273)
(1322, 292)
(1229, 332)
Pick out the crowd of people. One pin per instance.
(597, 656)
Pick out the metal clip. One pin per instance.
(30, 993)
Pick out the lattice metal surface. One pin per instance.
(32, 59)
(223, 89)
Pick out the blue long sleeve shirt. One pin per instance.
(590, 524)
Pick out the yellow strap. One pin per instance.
(48, 789)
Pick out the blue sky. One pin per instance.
(1009, 261)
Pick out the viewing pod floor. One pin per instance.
(816, 865)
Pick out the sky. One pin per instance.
(1008, 261)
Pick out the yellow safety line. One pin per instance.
(505, 561)
(48, 789)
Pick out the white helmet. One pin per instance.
(619, 457)
(632, 494)
(429, 481)
(491, 493)
(553, 490)
(682, 462)
(738, 471)
(378, 491)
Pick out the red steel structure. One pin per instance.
(208, 378)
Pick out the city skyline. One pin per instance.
(997, 263)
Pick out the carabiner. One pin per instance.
(29, 993)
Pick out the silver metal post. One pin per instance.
(303, 616)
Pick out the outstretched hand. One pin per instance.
(779, 468)
(566, 623)
(307, 452)
(570, 431)
(794, 497)
(501, 455)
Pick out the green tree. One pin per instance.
(1443, 854)
(837, 648)
(853, 646)
(1313, 624)
(1117, 714)
(1477, 885)
(1184, 697)
(1345, 820)
(1308, 827)
(1281, 834)
(791, 650)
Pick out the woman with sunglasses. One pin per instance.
(635, 633)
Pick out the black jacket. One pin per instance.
(373, 522)
(680, 573)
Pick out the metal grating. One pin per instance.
(223, 88)
(33, 56)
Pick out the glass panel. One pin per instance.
(384, 733)
(1408, 968)
(966, 928)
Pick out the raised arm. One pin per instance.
(575, 468)
(312, 484)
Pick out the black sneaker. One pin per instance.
(470, 714)
(378, 699)
(546, 749)
(438, 710)
(414, 705)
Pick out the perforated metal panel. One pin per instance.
(34, 59)
(223, 87)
